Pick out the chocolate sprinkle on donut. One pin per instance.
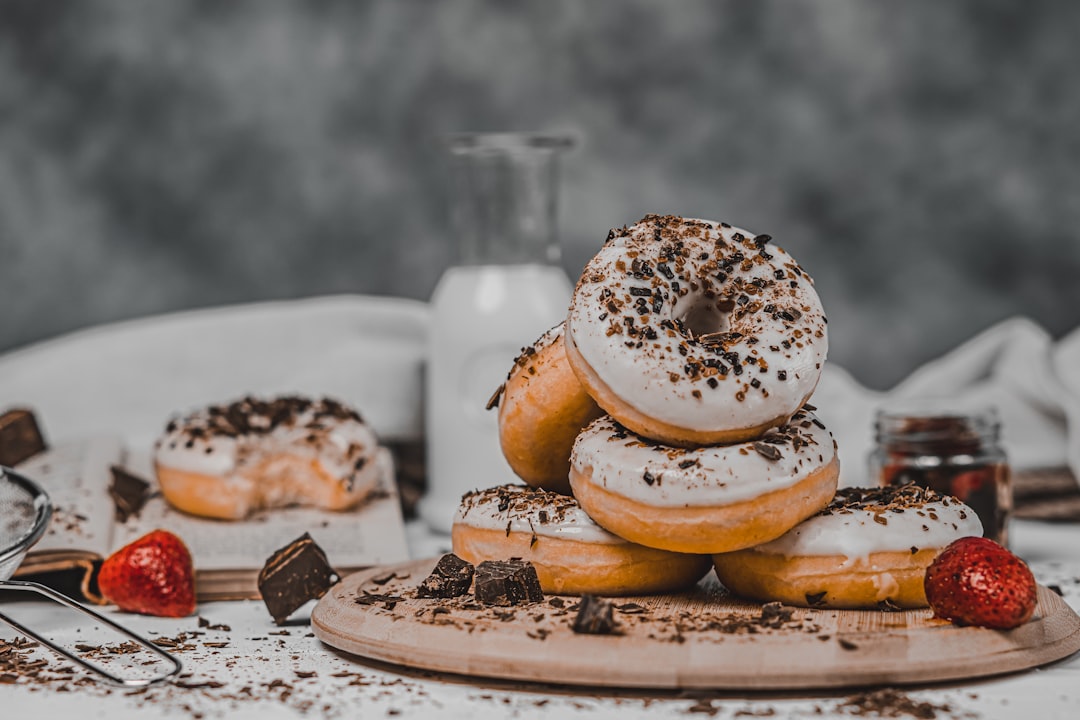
(879, 500)
(253, 416)
(520, 502)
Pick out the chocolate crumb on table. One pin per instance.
(451, 577)
(293, 575)
(595, 616)
(507, 582)
(20, 437)
(888, 702)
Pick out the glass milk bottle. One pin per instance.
(505, 291)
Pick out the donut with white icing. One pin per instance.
(869, 548)
(571, 553)
(692, 332)
(704, 500)
(228, 461)
(542, 408)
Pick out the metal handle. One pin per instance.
(92, 667)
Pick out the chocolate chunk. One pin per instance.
(129, 493)
(293, 575)
(20, 437)
(595, 616)
(451, 577)
(507, 582)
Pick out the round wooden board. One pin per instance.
(699, 639)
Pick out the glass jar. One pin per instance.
(505, 290)
(951, 452)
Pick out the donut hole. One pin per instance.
(703, 316)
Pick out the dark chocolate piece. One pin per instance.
(20, 437)
(507, 582)
(451, 577)
(293, 575)
(129, 493)
(595, 616)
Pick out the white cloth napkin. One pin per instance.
(1015, 366)
(129, 378)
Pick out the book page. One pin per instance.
(76, 477)
(371, 534)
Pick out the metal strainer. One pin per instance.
(24, 514)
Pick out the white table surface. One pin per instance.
(258, 671)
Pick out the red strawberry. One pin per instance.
(975, 581)
(152, 575)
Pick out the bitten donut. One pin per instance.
(692, 332)
(542, 408)
(706, 500)
(227, 461)
(869, 548)
(571, 553)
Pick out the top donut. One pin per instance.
(693, 332)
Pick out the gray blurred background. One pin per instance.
(921, 159)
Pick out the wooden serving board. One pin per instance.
(700, 639)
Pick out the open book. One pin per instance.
(227, 554)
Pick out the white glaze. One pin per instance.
(714, 475)
(855, 534)
(567, 522)
(650, 374)
(346, 448)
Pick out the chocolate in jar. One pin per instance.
(953, 453)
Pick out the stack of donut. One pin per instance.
(672, 405)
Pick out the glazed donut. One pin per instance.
(706, 500)
(542, 409)
(869, 548)
(691, 332)
(227, 461)
(571, 553)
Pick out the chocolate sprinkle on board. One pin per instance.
(776, 615)
(388, 601)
